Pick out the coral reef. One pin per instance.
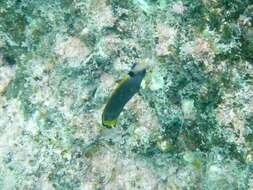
(189, 127)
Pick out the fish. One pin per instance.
(124, 91)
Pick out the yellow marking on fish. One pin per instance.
(109, 123)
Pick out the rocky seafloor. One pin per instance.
(190, 127)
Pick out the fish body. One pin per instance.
(125, 90)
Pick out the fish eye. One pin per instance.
(131, 74)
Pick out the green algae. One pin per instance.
(200, 91)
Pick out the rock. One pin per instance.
(7, 74)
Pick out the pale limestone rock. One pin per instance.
(121, 66)
(147, 124)
(42, 92)
(188, 109)
(1, 59)
(45, 184)
(107, 81)
(71, 47)
(244, 20)
(251, 182)
(166, 37)
(106, 86)
(146, 117)
(102, 14)
(11, 122)
(137, 174)
(118, 172)
(200, 49)
(87, 186)
(164, 145)
(88, 127)
(178, 7)
(109, 45)
(6, 75)
(157, 81)
(227, 114)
